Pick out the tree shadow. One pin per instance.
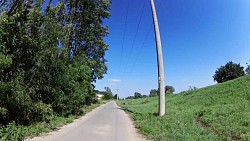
(133, 112)
(116, 108)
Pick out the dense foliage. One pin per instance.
(130, 97)
(137, 95)
(107, 94)
(49, 57)
(153, 93)
(228, 72)
(169, 89)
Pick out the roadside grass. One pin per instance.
(219, 112)
(15, 132)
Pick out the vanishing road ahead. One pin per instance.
(106, 123)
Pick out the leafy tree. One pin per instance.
(115, 96)
(192, 88)
(137, 95)
(50, 56)
(20, 42)
(248, 68)
(153, 93)
(107, 95)
(228, 72)
(169, 89)
(86, 32)
(107, 89)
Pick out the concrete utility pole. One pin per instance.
(160, 62)
(117, 95)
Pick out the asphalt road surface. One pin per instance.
(105, 123)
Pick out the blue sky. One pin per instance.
(198, 36)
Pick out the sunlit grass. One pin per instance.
(219, 112)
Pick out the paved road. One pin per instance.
(106, 123)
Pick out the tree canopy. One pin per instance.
(153, 93)
(169, 89)
(248, 68)
(228, 72)
(107, 94)
(49, 56)
(137, 95)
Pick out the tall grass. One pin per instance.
(13, 132)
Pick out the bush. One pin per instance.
(228, 72)
(11, 132)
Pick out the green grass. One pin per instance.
(16, 132)
(219, 112)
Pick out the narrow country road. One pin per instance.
(106, 123)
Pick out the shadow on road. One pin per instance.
(116, 108)
(130, 111)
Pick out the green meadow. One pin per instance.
(219, 112)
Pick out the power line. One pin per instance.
(143, 43)
(160, 4)
(131, 50)
(136, 59)
(124, 33)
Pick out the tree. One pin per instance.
(49, 56)
(107, 95)
(153, 93)
(248, 68)
(86, 31)
(169, 89)
(137, 95)
(130, 97)
(115, 97)
(192, 88)
(228, 72)
(107, 89)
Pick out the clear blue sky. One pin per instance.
(198, 36)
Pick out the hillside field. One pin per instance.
(219, 112)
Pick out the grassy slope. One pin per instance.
(219, 112)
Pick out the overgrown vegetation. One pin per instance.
(219, 112)
(14, 132)
(49, 56)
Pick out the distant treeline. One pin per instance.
(153, 93)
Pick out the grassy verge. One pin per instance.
(219, 112)
(17, 132)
